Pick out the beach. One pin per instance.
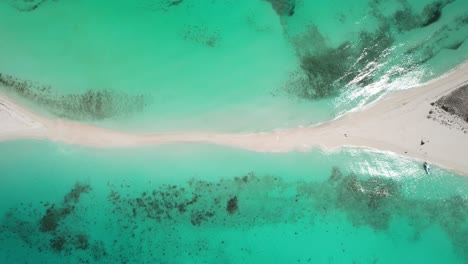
(398, 123)
(272, 131)
(266, 197)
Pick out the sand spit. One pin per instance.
(399, 123)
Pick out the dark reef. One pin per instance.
(407, 19)
(62, 238)
(90, 105)
(53, 216)
(232, 206)
(283, 7)
(160, 214)
(433, 11)
(56, 229)
(56, 213)
(75, 193)
(58, 243)
(326, 70)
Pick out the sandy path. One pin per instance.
(396, 123)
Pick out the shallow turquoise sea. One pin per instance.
(246, 65)
(174, 65)
(207, 204)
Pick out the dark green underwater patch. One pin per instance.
(88, 106)
(139, 217)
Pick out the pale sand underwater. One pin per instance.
(201, 65)
(398, 123)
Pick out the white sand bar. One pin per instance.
(396, 123)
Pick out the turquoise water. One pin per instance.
(207, 204)
(165, 65)
(175, 65)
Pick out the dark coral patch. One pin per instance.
(232, 205)
(198, 217)
(81, 241)
(52, 218)
(141, 219)
(327, 70)
(90, 105)
(74, 195)
(283, 7)
(433, 11)
(58, 243)
(368, 202)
